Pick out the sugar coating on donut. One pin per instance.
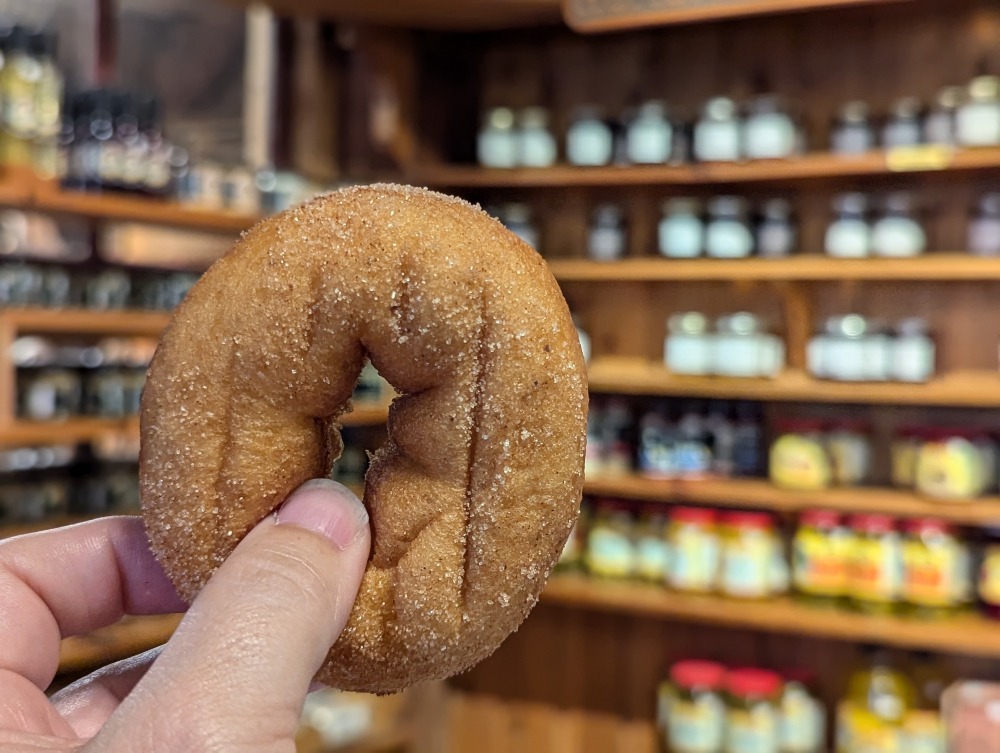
(479, 483)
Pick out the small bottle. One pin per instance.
(681, 233)
(912, 352)
(852, 132)
(589, 140)
(688, 347)
(47, 105)
(776, 236)
(717, 134)
(727, 232)
(984, 227)
(606, 239)
(897, 233)
(939, 124)
(977, 120)
(849, 235)
(536, 146)
(769, 131)
(649, 137)
(496, 145)
(903, 127)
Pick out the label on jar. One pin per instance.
(609, 553)
(989, 576)
(923, 732)
(860, 731)
(696, 726)
(752, 730)
(694, 559)
(799, 462)
(935, 576)
(746, 564)
(652, 558)
(802, 723)
(953, 469)
(874, 568)
(819, 562)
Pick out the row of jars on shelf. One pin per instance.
(763, 128)
(867, 562)
(113, 447)
(53, 495)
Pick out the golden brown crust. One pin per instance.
(475, 492)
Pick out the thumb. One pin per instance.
(239, 667)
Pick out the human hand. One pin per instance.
(235, 674)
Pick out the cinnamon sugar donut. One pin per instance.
(479, 483)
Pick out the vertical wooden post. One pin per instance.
(8, 373)
(798, 312)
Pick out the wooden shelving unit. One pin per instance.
(965, 634)
(761, 494)
(84, 322)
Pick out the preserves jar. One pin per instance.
(955, 464)
(688, 347)
(939, 125)
(649, 136)
(717, 132)
(984, 226)
(693, 451)
(727, 232)
(897, 233)
(877, 700)
(849, 446)
(776, 235)
(752, 698)
(912, 352)
(610, 541)
(691, 712)
(802, 717)
(743, 349)
(977, 120)
(874, 571)
(652, 554)
(681, 233)
(798, 457)
(606, 239)
(536, 146)
(852, 132)
(820, 549)
(657, 445)
(749, 551)
(988, 583)
(694, 549)
(849, 350)
(849, 235)
(589, 140)
(936, 568)
(769, 131)
(902, 129)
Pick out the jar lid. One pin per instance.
(697, 674)
(727, 206)
(609, 214)
(906, 108)
(719, 108)
(703, 515)
(912, 432)
(928, 525)
(740, 323)
(753, 683)
(500, 117)
(799, 425)
(855, 112)
(777, 209)
(688, 323)
(533, 117)
(517, 213)
(745, 519)
(683, 205)
(849, 325)
(819, 519)
(949, 98)
(984, 88)
(873, 523)
(854, 204)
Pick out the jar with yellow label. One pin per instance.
(878, 698)
(652, 553)
(749, 549)
(989, 574)
(610, 542)
(936, 574)
(799, 459)
(694, 549)
(820, 550)
(904, 450)
(874, 570)
(955, 464)
(848, 444)
(691, 713)
(752, 719)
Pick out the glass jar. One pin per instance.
(611, 542)
(752, 697)
(727, 232)
(717, 132)
(798, 459)
(694, 549)
(681, 232)
(802, 715)
(496, 145)
(897, 233)
(606, 239)
(939, 124)
(649, 137)
(849, 235)
(874, 570)
(589, 140)
(517, 217)
(688, 347)
(913, 352)
(820, 547)
(691, 714)
(877, 699)
(743, 349)
(693, 451)
(902, 129)
(748, 440)
(839, 353)
(536, 146)
(657, 445)
(618, 444)
(955, 464)
(776, 236)
(852, 132)
(749, 548)
(988, 583)
(652, 555)
(904, 450)
(977, 120)
(769, 131)
(850, 448)
(984, 227)
(936, 568)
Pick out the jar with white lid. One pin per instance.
(649, 136)
(536, 146)
(496, 145)
(606, 239)
(902, 129)
(897, 233)
(742, 348)
(939, 125)
(840, 352)
(681, 231)
(849, 235)
(853, 132)
(727, 232)
(984, 227)
(589, 140)
(977, 121)
(776, 236)
(517, 218)
(769, 131)
(717, 132)
(913, 352)
(687, 349)
(877, 345)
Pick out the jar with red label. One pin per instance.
(694, 549)
(691, 713)
(753, 564)
(936, 576)
(819, 558)
(875, 565)
(752, 711)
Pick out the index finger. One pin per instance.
(70, 581)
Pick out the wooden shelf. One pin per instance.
(965, 634)
(633, 376)
(21, 432)
(86, 322)
(817, 166)
(366, 414)
(944, 267)
(129, 637)
(761, 494)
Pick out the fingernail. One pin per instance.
(327, 508)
